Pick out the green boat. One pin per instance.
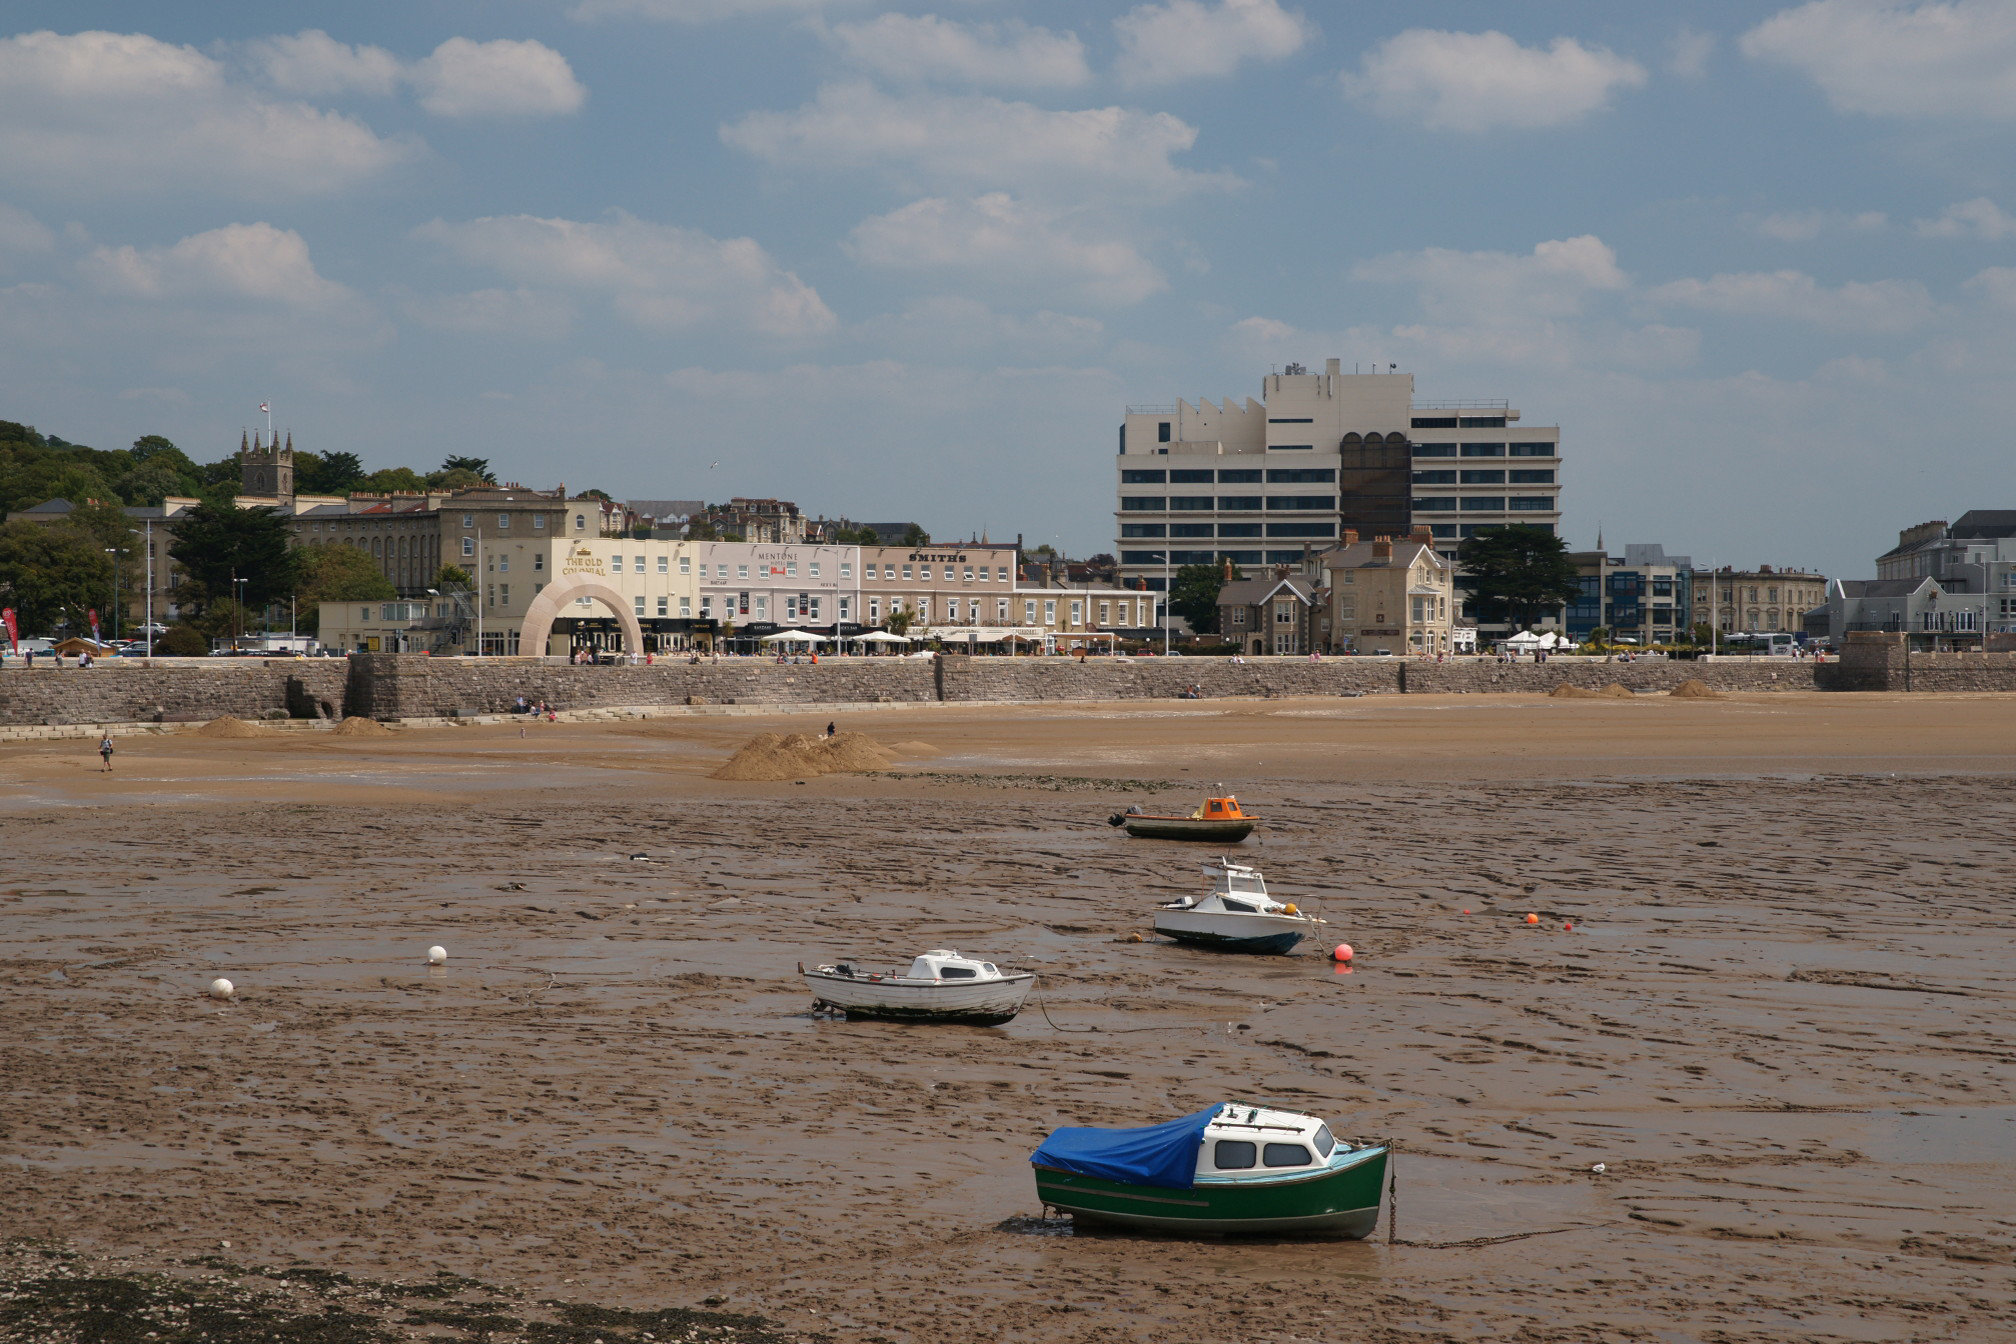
(1232, 1167)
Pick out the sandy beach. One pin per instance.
(1780, 1019)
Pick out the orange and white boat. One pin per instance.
(1219, 821)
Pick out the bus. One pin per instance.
(1775, 644)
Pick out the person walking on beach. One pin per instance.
(831, 730)
(105, 752)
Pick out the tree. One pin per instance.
(452, 576)
(701, 530)
(327, 473)
(457, 478)
(182, 641)
(1193, 595)
(216, 543)
(1599, 638)
(151, 445)
(337, 574)
(900, 619)
(52, 574)
(916, 536)
(154, 478)
(1517, 573)
(400, 479)
(480, 466)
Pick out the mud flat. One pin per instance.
(1780, 1021)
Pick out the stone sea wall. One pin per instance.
(173, 690)
(398, 686)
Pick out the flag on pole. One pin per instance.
(94, 622)
(13, 630)
(263, 408)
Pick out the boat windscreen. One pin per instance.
(1162, 1155)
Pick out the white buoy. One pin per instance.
(436, 955)
(220, 988)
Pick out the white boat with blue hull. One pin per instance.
(1235, 915)
(940, 986)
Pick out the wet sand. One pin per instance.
(1781, 1019)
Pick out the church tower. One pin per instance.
(266, 468)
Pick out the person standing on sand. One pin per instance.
(105, 752)
(830, 730)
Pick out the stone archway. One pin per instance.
(552, 600)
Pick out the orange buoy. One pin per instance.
(1532, 919)
(1466, 912)
(1343, 953)
(1568, 927)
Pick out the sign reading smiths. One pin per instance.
(582, 561)
(946, 557)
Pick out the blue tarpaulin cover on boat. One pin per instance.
(1164, 1155)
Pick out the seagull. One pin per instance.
(712, 465)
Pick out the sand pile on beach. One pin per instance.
(913, 749)
(778, 756)
(1615, 692)
(360, 727)
(1566, 692)
(230, 727)
(1692, 689)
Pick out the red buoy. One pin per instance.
(1532, 919)
(1343, 952)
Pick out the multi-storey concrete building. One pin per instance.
(1974, 560)
(1256, 484)
(1642, 597)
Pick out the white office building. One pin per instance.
(1262, 483)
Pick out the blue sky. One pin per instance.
(913, 261)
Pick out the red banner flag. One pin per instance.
(13, 631)
(93, 613)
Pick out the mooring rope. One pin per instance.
(1393, 1237)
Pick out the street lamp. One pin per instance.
(238, 594)
(1166, 592)
(149, 535)
(113, 551)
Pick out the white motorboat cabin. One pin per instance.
(1254, 1142)
(941, 964)
(1237, 889)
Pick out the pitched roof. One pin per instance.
(1985, 523)
(1250, 592)
(1358, 555)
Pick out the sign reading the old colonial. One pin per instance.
(583, 561)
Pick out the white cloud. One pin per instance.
(1478, 81)
(985, 141)
(692, 11)
(941, 322)
(1799, 226)
(528, 313)
(1186, 39)
(502, 78)
(1905, 60)
(1996, 286)
(996, 239)
(315, 65)
(238, 261)
(1979, 218)
(657, 276)
(102, 113)
(920, 47)
(1865, 306)
(462, 78)
(1553, 280)
(21, 232)
(1537, 345)
(1688, 53)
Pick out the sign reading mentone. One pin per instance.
(582, 561)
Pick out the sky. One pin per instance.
(1758, 261)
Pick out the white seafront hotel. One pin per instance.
(1270, 481)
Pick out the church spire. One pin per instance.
(244, 444)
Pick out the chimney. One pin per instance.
(1333, 367)
(1350, 536)
(1382, 548)
(1421, 534)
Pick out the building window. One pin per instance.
(742, 573)
(1238, 529)
(874, 611)
(664, 564)
(1291, 447)
(1239, 503)
(1001, 610)
(762, 606)
(906, 573)
(664, 606)
(685, 564)
(1077, 612)
(1162, 432)
(468, 520)
(1293, 503)
(1050, 611)
(1434, 478)
(847, 569)
(1243, 476)
(580, 521)
(468, 546)
(616, 564)
(1433, 422)
(1483, 503)
(924, 573)
(1189, 503)
(503, 521)
(503, 564)
(538, 561)
(813, 569)
(1190, 477)
(1531, 503)
(637, 604)
(1434, 450)
(791, 569)
(1105, 613)
(1483, 450)
(1534, 450)
(1001, 575)
(538, 522)
(1481, 422)
(1142, 504)
(1191, 530)
(965, 575)
(1029, 612)
(1482, 477)
(504, 594)
(685, 608)
(1301, 476)
(1238, 615)
(1144, 478)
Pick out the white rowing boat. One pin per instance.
(940, 986)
